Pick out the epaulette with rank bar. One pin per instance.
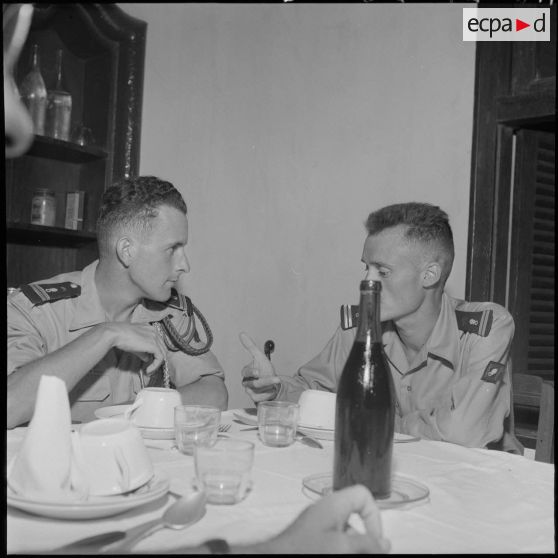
(180, 301)
(349, 316)
(50, 292)
(475, 322)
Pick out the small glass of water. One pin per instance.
(277, 422)
(223, 470)
(195, 425)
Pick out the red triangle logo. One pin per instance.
(519, 25)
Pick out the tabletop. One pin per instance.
(480, 501)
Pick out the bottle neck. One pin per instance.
(369, 324)
(59, 70)
(35, 58)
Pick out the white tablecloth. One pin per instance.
(481, 501)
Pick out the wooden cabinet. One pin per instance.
(103, 57)
(511, 251)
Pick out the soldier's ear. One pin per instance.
(125, 250)
(431, 274)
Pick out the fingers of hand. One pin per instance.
(259, 397)
(368, 510)
(367, 544)
(355, 499)
(249, 372)
(261, 383)
(248, 343)
(155, 363)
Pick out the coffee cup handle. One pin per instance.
(137, 403)
(124, 469)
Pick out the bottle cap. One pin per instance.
(370, 285)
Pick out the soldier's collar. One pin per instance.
(443, 343)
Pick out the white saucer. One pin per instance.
(404, 490)
(242, 416)
(94, 507)
(117, 411)
(321, 433)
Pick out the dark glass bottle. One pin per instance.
(365, 409)
(59, 107)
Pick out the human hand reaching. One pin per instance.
(322, 527)
(259, 377)
(140, 339)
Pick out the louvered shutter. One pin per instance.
(540, 359)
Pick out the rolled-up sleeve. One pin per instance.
(186, 369)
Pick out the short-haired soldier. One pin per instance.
(120, 316)
(449, 358)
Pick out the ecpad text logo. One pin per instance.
(506, 24)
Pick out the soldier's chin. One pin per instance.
(162, 295)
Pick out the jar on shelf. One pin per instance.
(43, 207)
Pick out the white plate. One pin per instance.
(157, 433)
(242, 416)
(399, 438)
(94, 507)
(404, 490)
(321, 433)
(117, 411)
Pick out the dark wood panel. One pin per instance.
(515, 87)
(103, 58)
(33, 263)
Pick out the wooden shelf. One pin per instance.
(103, 58)
(24, 233)
(66, 151)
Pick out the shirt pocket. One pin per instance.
(94, 386)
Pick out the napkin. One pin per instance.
(45, 467)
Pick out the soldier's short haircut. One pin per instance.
(132, 203)
(425, 223)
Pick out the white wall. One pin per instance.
(284, 125)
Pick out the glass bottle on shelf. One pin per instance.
(59, 107)
(34, 94)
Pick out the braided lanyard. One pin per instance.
(166, 377)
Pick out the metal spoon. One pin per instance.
(185, 511)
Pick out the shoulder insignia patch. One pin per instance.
(493, 372)
(475, 322)
(349, 316)
(50, 292)
(180, 301)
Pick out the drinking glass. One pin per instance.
(195, 425)
(277, 422)
(223, 470)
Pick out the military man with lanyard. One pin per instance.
(119, 323)
(448, 358)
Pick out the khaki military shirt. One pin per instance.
(457, 388)
(35, 330)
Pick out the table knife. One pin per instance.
(308, 441)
